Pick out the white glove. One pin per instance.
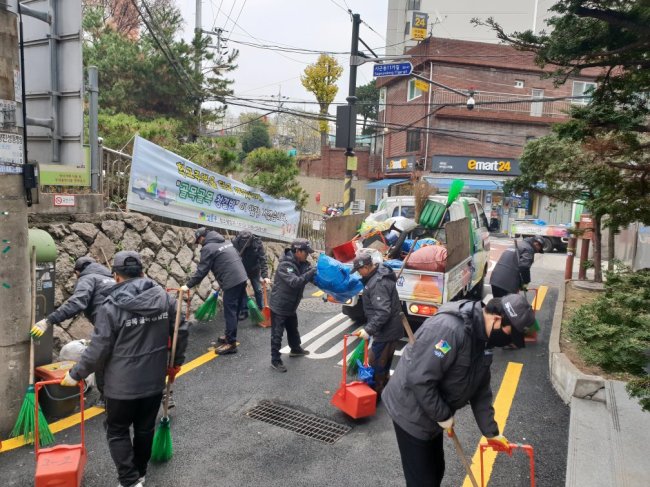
(68, 381)
(447, 423)
(184, 288)
(266, 281)
(39, 328)
(361, 333)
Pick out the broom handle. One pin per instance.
(408, 256)
(463, 457)
(172, 356)
(33, 314)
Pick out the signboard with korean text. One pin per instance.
(64, 200)
(400, 164)
(11, 149)
(501, 166)
(165, 184)
(419, 26)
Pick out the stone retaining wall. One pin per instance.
(166, 256)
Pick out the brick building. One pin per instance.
(433, 131)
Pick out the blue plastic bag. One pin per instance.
(366, 374)
(336, 279)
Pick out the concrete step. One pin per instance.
(589, 459)
(629, 431)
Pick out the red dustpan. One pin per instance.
(266, 311)
(356, 399)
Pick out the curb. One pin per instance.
(566, 379)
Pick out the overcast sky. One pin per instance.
(309, 24)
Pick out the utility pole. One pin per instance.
(14, 259)
(350, 158)
(198, 33)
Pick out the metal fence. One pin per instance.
(503, 103)
(114, 180)
(312, 227)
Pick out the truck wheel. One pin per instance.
(476, 293)
(548, 245)
(355, 313)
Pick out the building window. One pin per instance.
(519, 83)
(382, 98)
(582, 88)
(412, 91)
(412, 140)
(537, 108)
(413, 5)
(407, 28)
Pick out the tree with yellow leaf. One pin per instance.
(320, 79)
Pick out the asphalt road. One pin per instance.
(215, 443)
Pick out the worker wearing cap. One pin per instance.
(382, 309)
(129, 344)
(512, 271)
(291, 277)
(253, 256)
(447, 367)
(94, 282)
(220, 256)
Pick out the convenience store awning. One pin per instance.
(384, 183)
(470, 184)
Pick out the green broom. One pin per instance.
(355, 357)
(209, 308)
(162, 448)
(25, 422)
(254, 312)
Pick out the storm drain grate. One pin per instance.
(301, 423)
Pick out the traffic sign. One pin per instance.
(395, 69)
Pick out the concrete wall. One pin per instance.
(84, 203)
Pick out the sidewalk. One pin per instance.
(608, 431)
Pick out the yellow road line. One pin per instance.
(75, 419)
(502, 405)
(318, 294)
(539, 299)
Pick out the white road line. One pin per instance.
(339, 323)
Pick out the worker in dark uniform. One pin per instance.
(129, 344)
(253, 256)
(382, 309)
(512, 271)
(93, 284)
(293, 274)
(447, 367)
(220, 256)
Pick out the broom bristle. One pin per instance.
(208, 309)
(254, 312)
(162, 449)
(355, 357)
(25, 424)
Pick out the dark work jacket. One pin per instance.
(129, 345)
(512, 270)
(446, 368)
(94, 283)
(382, 306)
(219, 256)
(253, 256)
(289, 284)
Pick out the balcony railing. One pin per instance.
(505, 102)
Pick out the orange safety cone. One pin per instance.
(266, 311)
(356, 399)
(60, 465)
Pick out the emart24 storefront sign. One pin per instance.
(493, 166)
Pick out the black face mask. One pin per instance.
(498, 338)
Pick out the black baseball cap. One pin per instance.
(82, 263)
(126, 258)
(302, 244)
(200, 232)
(519, 314)
(540, 240)
(361, 260)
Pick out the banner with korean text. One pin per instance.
(165, 184)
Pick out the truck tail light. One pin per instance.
(422, 309)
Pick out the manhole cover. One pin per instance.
(301, 423)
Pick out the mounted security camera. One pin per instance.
(470, 103)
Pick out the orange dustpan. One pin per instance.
(266, 311)
(356, 399)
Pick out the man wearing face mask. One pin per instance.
(446, 368)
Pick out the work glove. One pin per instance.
(39, 328)
(68, 381)
(184, 288)
(171, 373)
(266, 280)
(309, 275)
(361, 333)
(500, 443)
(447, 424)
(523, 287)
